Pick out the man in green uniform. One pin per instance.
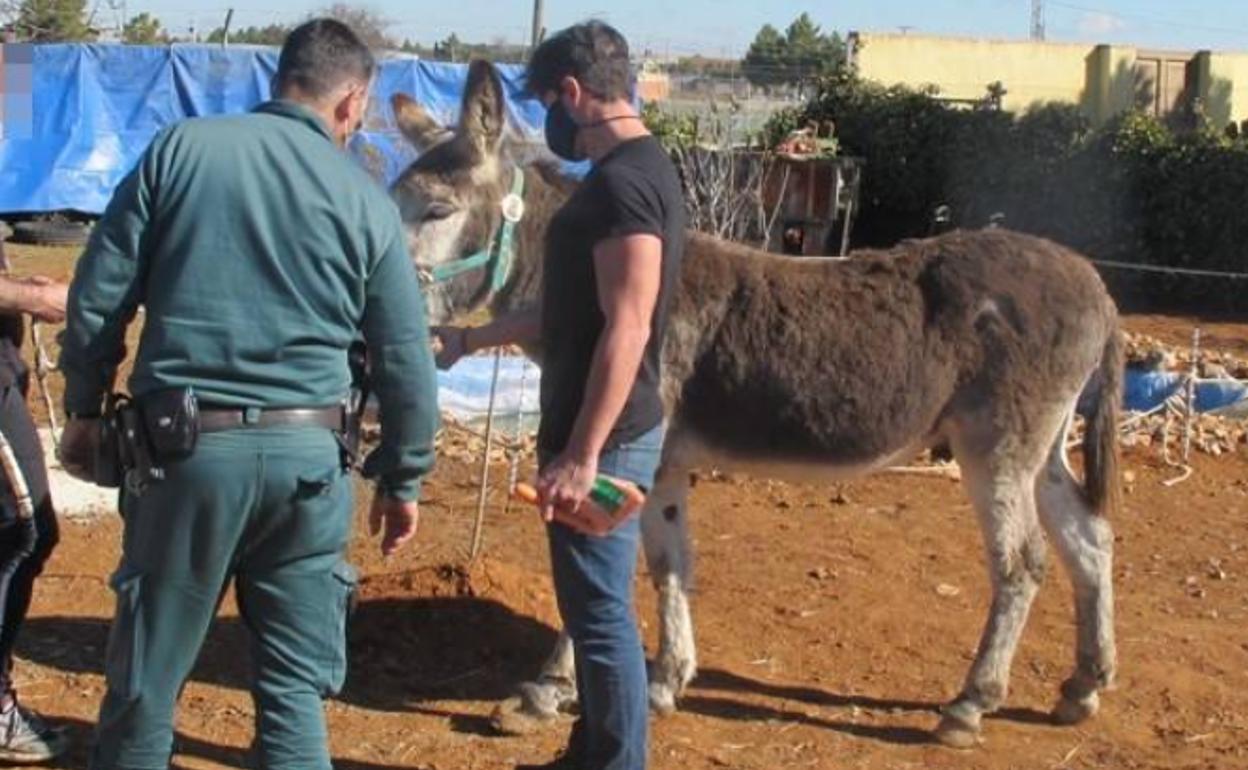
(260, 252)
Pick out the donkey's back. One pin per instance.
(854, 362)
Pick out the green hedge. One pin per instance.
(1136, 190)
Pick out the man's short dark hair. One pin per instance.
(319, 56)
(592, 52)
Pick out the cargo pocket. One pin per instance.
(316, 484)
(123, 664)
(343, 582)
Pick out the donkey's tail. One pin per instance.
(1102, 481)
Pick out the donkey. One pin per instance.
(981, 341)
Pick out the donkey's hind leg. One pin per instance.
(1084, 542)
(1001, 485)
(669, 556)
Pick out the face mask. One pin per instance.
(561, 132)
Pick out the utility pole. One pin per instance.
(118, 7)
(225, 28)
(539, 30)
(1037, 19)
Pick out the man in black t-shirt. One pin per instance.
(25, 544)
(613, 256)
(629, 208)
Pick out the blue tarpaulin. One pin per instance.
(1144, 390)
(94, 109)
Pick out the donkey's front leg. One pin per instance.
(537, 704)
(669, 555)
(555, 688)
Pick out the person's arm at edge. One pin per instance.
(629, 270)
(396, 334)
(106, 290)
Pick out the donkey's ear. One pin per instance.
(416, 124)
(484, 116)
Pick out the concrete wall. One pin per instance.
(653, 87)
(1104, 80)
(963, 68)
(1112, 83)
(1225, 86)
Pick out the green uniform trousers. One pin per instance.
(270, 509)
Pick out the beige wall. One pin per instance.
(1112, 84)
(1102, 79)
(1226, 97)
(963, 68)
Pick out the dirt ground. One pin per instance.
(832, 621)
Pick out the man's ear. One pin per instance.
(571, 88)
(343, 107)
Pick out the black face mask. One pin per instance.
(561, 131)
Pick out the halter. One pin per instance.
(498, 256)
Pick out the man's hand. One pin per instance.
(562, 490)
(451, 345)
(38, 295)
(47, 299)
(79, 443)
(400, 518)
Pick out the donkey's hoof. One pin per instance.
(536, 707)
(960, 725)
(1072, 712)
(662, 699)
(516, 717)
(957, 732)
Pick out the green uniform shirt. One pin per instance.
(259, 251)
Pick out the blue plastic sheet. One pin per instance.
(95, 108)
(1144, 390)
(464, 391)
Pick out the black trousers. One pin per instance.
(24, 545)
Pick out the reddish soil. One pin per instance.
(824, 641)
(1215, 334)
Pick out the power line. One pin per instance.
(1149, 19)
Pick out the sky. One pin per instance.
(725, 27)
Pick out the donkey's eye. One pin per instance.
(438, 210)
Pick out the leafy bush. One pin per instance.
(1136, 190)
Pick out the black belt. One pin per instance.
(233, 418)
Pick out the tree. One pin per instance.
(764, 57)
(451, 49)
(799, 55)
(703, 65)
(144, 29)
(412, 47)
(52, 21)
(372, 27)
(272, 34)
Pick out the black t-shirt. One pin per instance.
(633, 190)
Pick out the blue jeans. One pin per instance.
(594, 585)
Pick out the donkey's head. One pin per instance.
(463, 199)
